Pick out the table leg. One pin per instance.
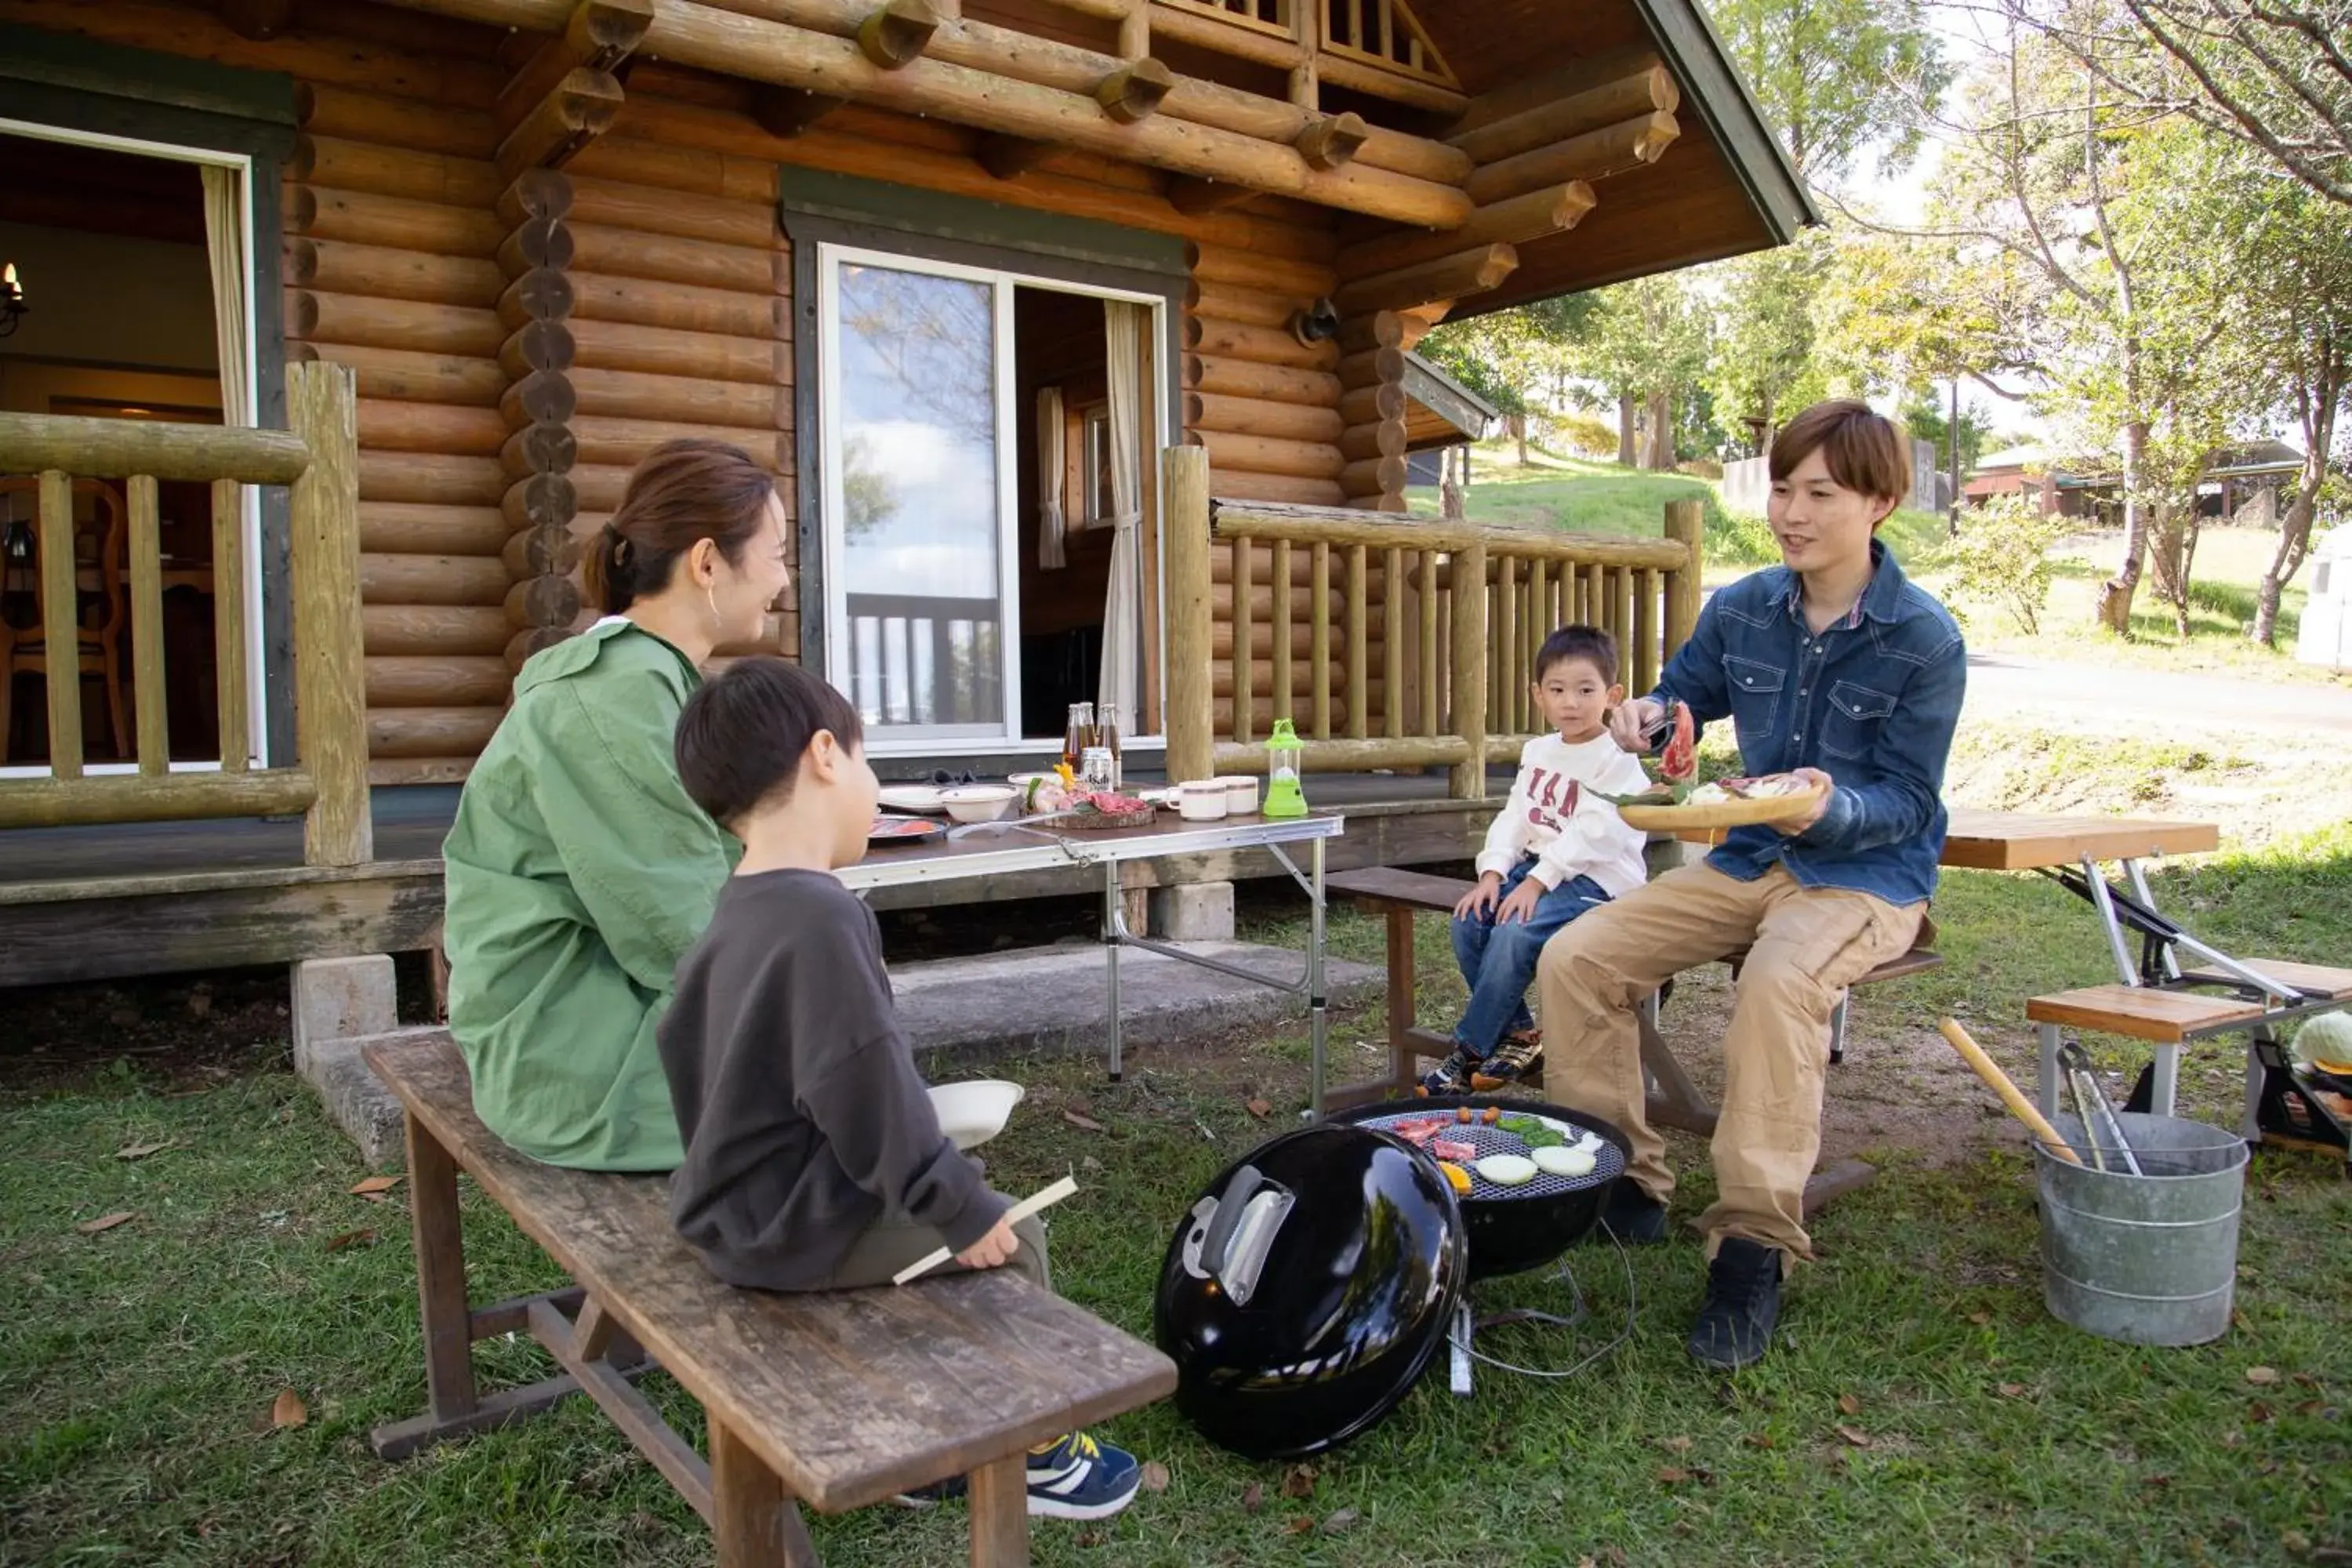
(2167, 1079)
(2251, 1125)
(2047, 1096)
(2137, 876)
(1000, 1513)
(1402, 999)
(1114, 936)
(1319, 1010)
(2101, 902)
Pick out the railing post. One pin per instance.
(1191, 706)
(58, 631)
(329, 676)
(1685, 524)
(1469, 658)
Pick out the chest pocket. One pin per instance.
(1855, 716)
(1755, 688)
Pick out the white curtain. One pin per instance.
(1122, 660)
(225, 238)
(1051, 523)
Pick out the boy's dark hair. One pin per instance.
(741, 737)
(1591, 644)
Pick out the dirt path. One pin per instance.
(2138, 700)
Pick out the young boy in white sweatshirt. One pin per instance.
(1555, 850)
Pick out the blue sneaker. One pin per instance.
(1079, 1478)
(1452, 1076)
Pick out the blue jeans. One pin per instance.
(1498, 962)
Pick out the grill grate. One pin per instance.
(1608, 1163)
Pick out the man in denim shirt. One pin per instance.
(1834, 666)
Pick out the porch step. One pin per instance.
(1053, 999)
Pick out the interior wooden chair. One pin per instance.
(99, 616)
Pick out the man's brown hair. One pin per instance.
(1865, 452)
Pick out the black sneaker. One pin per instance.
(1631, 1216)
(1743, 1301)
(933, 1495)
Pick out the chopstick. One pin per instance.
(1018, 1212)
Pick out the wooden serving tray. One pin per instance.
(1721, 814)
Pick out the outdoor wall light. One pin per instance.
(12, 300)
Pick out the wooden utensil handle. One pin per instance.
(2012, 1096)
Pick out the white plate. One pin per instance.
(911, 797)
(972, 1112)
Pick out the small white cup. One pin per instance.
(1202, 800)
(1241, 792)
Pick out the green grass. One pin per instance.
(139, 1366)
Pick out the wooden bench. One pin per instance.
(835, 1400)
(1675, 1101)
(2182, 1012)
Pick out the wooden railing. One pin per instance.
(317, 460)
(963, 688)
(1391, 642)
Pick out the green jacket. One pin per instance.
(578, 874)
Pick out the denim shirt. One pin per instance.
(1872, 701)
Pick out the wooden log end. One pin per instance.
(1331, 140)
(1134, 91)
(896, 33)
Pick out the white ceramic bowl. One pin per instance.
(972, 1112)
(978, 803)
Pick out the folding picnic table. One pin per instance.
(996, 848)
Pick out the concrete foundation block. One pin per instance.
(357, 1100)
(339, 1004)
(1194, 911)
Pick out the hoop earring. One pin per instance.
(710, 597)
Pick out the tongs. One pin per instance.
(2099, 1120)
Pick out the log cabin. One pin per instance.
(1077, 333)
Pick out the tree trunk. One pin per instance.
(1517, 425)
(1952, 518)
(1626, 457)
(2115, 594)
(2295, 528)
(1662, 431)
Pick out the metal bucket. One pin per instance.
(2150, 1259)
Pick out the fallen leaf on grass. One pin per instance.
(1261, 1109)
(2312, 1407)
(1082, 1122)
(1758, 1439)
(2259, 1412)
(1340, 1522)
(1676, 1475)
(1981, 1320)
(107, 1221)
(1155, 1476)
(1849, 1405)
(141, 1150)
(1299, 1526)
(1253, 1496)
(1856, 1436)
(2012, 1390)
(360, 1237)
(2262, 1376)
(2294, 1542)
(1298, 1481)
(375, 1186)
(2304, 1380)
(1674, 1444)
(288, 1410)
(1092, 1537)
(2156, 1483)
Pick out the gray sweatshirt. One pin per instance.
(803, 1117)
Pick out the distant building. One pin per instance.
(2241, 483)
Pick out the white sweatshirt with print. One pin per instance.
(1553, 816)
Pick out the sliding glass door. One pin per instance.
(918, 488)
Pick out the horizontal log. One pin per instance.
(1369, 404)
(1255, 307)
(1371, 329)
(384, 171)
(1244, 269)
(625, 442)
(409, 528)
(1595, 155)
(118, 449)
(630, 394)
(576, 110)
(400, 324)
(650, 210)
(1262, 714)
(655, 351)
(435, 681)
(1248, 378)
(1302, 680)
(1525, 92)
(436, 732)
(154, 797)
(1381, 439)
(1261, 601)
(392, 630)
(1372, 367)
(542, 397)
(1267, 345)
(1363, 75)
(1302, 567)
(1546, 210)
(600, 485)
(1448, 277)
(432, 579)
(1262, 417)
(336, 268)
(1647, 90)
(1373, 476)
(364, 219)
(1276, 488)
(1346, 756)
(1430, 534)
(427, 477)
(627, 253)
(679, 307)
(633, 160)
(385, 426)
(387, 120)
(1232, 452)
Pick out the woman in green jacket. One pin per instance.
(578, 869)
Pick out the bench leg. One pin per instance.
(1402, 1002)
(2048, 1097)
(1000, 1513)
(756, 1523)
(440, 1277)
(1837, 1027)
(1675, 1101)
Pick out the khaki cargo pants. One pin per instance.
(1806, 946)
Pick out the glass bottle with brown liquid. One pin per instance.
(1078, 734)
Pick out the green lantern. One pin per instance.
(1282, 750)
